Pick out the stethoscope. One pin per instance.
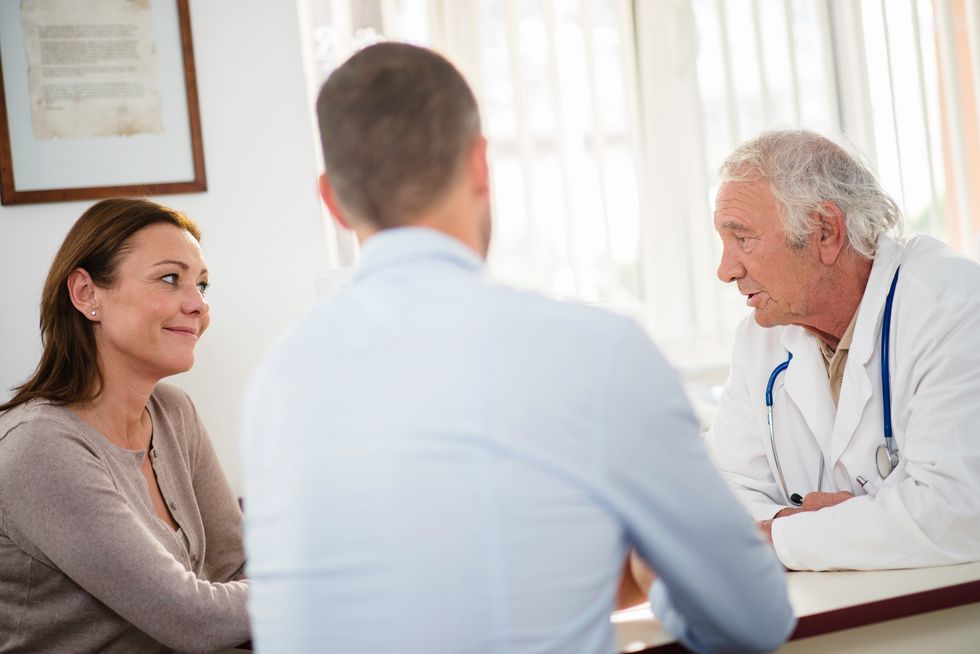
(886, 456)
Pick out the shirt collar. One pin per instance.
(402, 244)
(888, 256)
(845, 340)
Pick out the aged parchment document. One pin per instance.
(92, 68)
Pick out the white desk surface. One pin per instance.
(813, 593)
(810, 593)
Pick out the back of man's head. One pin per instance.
(396, 122)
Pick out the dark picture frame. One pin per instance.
(56, 154)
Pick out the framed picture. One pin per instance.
(97, 99)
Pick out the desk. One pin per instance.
(890, 611)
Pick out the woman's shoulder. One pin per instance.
(35, 415)
(38, 428)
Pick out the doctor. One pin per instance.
(847, 458)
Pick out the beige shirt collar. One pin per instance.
(835, 360)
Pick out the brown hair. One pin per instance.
(69, 367)
(395, 121)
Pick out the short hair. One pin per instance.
(395, 121)
(69, 367)
(805, 169)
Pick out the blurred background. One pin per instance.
(607, 122)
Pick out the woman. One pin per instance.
(118, 530)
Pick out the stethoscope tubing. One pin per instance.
(886, 328)
(886, 405)
(772, 434)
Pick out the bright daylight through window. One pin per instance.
(608, 119)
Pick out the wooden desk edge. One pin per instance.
(891, 608)
(860, 615)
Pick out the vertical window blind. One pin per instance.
(608, 119)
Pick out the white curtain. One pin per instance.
(608, 120)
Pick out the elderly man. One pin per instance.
(436, 463)
(849, 424)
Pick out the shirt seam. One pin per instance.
(27, 600)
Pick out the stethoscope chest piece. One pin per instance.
(887, 456)
(886, 460)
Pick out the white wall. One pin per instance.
(263, 237)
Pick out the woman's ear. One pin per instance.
(82, 292)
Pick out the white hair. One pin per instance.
(805, 170)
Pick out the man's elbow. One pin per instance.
(766, 630)
(763, 631)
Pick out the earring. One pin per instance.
(93, 312)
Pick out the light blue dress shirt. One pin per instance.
(437, 463)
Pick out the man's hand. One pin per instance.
(642, 573)
(634, 587)
(765, 526)
(812, 502)
(817, 501)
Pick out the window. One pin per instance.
(608, 119)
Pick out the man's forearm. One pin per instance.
(812, 502)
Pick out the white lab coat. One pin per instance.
(927, 512)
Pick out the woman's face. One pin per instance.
(149, 321)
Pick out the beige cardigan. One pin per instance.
(85, 563)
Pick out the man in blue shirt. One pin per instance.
(437, 463)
